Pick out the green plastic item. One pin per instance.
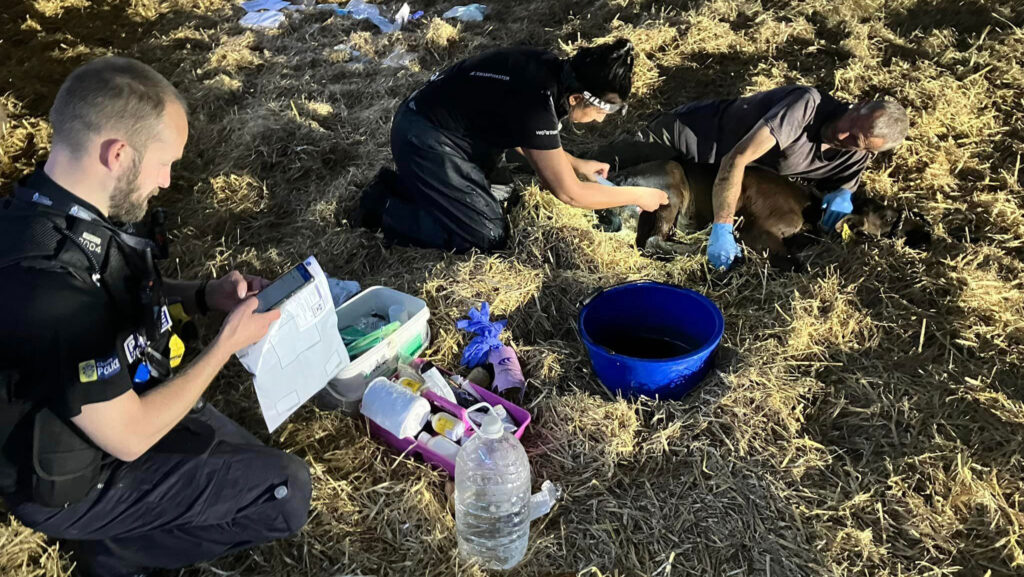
(373, 339)
(351, 334)
(412, 346)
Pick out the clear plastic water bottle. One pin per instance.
(492, 497)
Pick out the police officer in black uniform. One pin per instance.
(103, 443)
(448, 136)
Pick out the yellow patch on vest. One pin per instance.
(87, 371)
(177, 350)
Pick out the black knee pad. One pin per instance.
(294, 501)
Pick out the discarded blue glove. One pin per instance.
(486, 339)
(836, 205)
(722, 248)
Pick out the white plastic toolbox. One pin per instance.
(345, 391)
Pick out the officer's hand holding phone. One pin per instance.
(244, 326)
(225, 293)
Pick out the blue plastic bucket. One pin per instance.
(649, 338)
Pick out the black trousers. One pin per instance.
(444, 198)
(206, 489)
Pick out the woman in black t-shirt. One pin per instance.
(448, 136)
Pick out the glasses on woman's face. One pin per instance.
(607, 107)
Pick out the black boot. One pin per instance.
(370, 212)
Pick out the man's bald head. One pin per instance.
(873, 126)
(118, 127)
(111, 97)
(889, 122)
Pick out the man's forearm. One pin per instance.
(164, 406)
(129, 425)
(185, 290)
(728, 185)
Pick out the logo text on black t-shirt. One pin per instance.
(490, 75)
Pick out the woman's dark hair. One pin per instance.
(605, 69)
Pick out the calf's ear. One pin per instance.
(851, 222)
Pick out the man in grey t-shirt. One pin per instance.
(793, 131)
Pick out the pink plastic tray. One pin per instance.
(409, 445)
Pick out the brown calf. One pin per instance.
(771, 209)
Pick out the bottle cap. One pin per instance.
(491, 427)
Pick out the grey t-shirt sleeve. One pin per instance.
(788, 119)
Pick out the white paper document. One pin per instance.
(299, 354)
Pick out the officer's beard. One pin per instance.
(127, 203)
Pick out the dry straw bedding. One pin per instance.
(868, 414)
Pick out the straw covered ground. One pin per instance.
(868, 415)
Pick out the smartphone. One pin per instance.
(285, 286)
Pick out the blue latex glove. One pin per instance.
(486, 331)
(722, 247)
(836, 205)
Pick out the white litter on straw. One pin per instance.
(268, 20)
(401, 17)
(399, 59)
(257, 5)
(469, 13)
(363, 10)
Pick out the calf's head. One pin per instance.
(872, 219)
